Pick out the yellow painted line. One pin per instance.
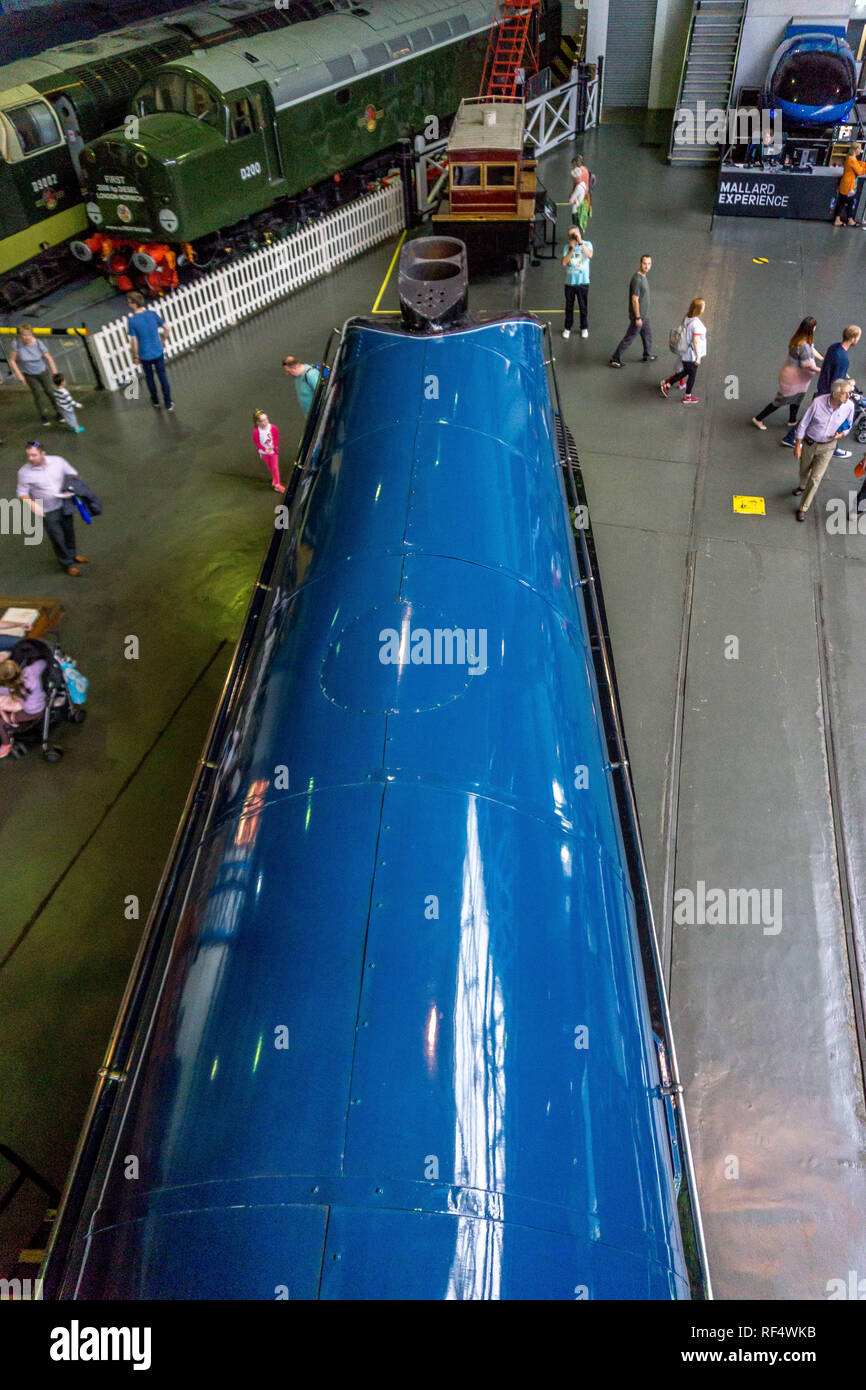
(753, 506)
(388, 275)
(76, 332)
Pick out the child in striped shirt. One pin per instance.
(65, 404)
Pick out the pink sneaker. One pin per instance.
(664, 387)
(691, 400)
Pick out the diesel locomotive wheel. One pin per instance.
(12, 294)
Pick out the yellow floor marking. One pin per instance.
(750, 505)
(760, 260)
(376, 309)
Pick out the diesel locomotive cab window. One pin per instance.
(165, 94)
(171, 91)
(501, 175)
(34, 126)
(203, 106)
(814, 79)
(241, 118)
(466, 175)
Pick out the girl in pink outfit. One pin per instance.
(266, 438)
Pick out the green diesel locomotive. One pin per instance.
(226, 140)
(53, 102)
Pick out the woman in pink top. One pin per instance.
(22, 699)
(266, 438)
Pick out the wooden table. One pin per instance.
(51, 610)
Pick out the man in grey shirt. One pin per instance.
(638, 315)
(34, 367)
(41, 486)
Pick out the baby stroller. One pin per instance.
(858, 424)
(59, 705)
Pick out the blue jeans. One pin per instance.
(156, 364)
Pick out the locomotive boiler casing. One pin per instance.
(398, 1044)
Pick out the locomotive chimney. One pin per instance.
(433, 283)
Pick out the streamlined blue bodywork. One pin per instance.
(813, 76)
(402, 1046)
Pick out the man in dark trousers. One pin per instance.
(41, 485)
(147, 331)
(576, 257)
(638, 315)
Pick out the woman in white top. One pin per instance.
(693, 350)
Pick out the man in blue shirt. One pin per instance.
(146, 331)
(306, 380)
(576, 257)
(835, 366)
(836, 361)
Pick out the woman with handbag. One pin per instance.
(22, 699)
(796, 376)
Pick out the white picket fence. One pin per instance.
(216, 302)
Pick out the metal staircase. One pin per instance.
(708, 71)
(509, 49)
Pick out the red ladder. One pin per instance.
(508, 49)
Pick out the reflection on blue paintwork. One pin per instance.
(402, 1047)
(479, 1082)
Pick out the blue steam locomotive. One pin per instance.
(397, 1028)
(813, 76)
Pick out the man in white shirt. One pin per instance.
(823, 423)
(41, 486)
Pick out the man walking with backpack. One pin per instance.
(306, 380)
